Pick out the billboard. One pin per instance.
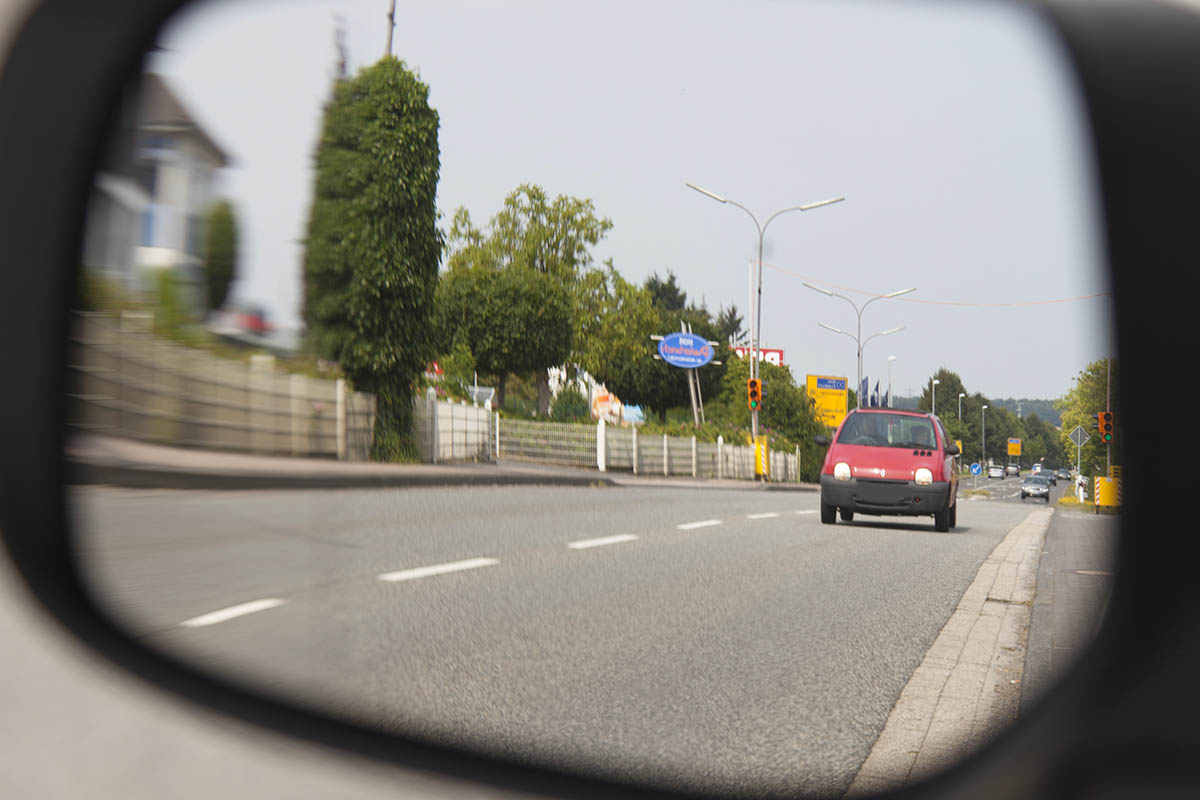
(831, 397)
(1014, 447)
(767, 354)
(685, 350)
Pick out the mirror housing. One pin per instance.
(821, 439)
(952, 449)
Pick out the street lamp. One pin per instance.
(933, 397)
(861, 343)
(983, 435)
(754, 339)
(961, 395)
(859, 312)
(890, 360)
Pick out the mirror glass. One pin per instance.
(415, 388)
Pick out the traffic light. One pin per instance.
(1104, 424)
(753, 393)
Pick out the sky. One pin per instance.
(954, 131)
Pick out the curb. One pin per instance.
(132, 477)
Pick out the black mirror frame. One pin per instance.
(1125, 714)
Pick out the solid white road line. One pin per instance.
(583, 544)
(763, 515)
(233, 611)
(438, 569)
(691, 526)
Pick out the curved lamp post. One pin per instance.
(858, 310)
(755, 341)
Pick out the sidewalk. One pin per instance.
(112, 461)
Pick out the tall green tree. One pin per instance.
(533, 231)
(373, 244)
(513, 320)
(729, 326)
(666, 294)
(220, 252)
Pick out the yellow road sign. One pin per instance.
(831, 397)
(1014, 447)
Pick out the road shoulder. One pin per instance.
(967, 688)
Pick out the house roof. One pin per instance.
(160, 110)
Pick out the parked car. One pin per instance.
(995, 471)
(888, 462)
(1036, 486)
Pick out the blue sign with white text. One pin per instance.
(837, 384)
(685, 350)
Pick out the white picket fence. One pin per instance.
(449, 432)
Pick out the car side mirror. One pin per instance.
(952, 450)
(821, 439)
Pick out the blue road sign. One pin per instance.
(976, 469)
(685, 350)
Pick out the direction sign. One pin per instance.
(1079, 436)
(976, 469)
(1014, 447)
(829, 394)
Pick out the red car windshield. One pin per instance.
(880, 429)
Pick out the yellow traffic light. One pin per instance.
(753, 393)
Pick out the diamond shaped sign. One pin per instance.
(1079, 436)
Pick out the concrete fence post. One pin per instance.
(693, 456)
(797, 474)
(497, 435)
(340, 417)
(600, 447)
(720, 456)
(259, 377)
(431, 418)
(297, 388)
(635, 449)
(666, 456)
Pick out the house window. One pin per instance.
(147, 237)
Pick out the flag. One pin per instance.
(862, 393)
(886, 401)
(875, 395)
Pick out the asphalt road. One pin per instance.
(701, 639)
(1009, 488)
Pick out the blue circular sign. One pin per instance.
(976, 469)
(685, 350)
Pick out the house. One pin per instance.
(150, 200)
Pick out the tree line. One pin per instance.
(522, 294)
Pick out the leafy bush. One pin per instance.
(570, 406)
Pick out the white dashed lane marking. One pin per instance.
(583, 544)
(690, 526)
(763, 515)
(232, 612)
(438, 569)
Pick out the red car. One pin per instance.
(888, 462)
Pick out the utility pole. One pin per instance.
(391, 26)
(1108, 407)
